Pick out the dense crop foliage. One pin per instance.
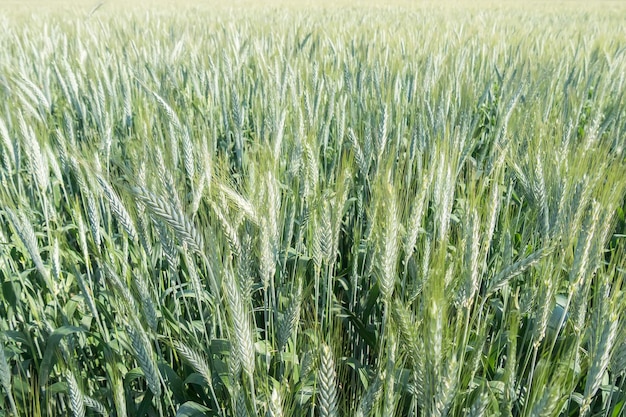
(326, 212)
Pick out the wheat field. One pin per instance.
(312, 209)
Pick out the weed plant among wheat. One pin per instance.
(313, 212)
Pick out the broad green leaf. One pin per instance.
(49, 357)
(192, 409)
(12, 292)
(195, 378)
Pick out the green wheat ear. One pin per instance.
(5, 377)
(327, 383)
(76, 396)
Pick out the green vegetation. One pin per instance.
(316, 211)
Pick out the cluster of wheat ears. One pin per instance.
(333, 212)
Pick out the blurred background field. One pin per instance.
(121, 5)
